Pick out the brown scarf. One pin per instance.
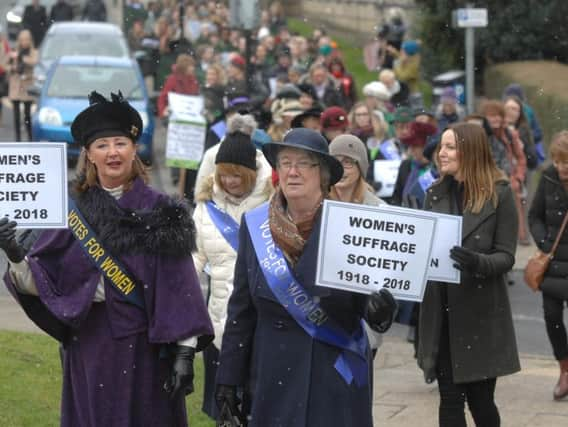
(289, 236)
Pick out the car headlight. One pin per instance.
(13, 18)
(50, 116)
(144, 117)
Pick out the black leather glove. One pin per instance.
(466, 259)
(14, 251)
(380, 310)
(181, 378)
(228, 404)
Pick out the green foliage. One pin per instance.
(30, 383)
(517, 30)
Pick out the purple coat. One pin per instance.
(113, 371)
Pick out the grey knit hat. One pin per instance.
(352, 147)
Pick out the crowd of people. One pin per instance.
(286, 129)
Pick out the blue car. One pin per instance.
(64, 95)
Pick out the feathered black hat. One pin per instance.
(104, 118)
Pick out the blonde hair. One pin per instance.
(87, 173)
(222, 79)
(19, 39)
(477, 167)
(183, 62)
(248, 176)
(559, 146)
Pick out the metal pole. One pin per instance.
(248, 68)
(469, 69)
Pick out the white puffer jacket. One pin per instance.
(213, 249)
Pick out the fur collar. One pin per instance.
(166, 229)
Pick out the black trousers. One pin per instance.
(479, 395)
(210, 363)
(555, 327)
(27, 119)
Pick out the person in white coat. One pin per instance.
(238, 184)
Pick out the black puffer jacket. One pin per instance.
(547, 211)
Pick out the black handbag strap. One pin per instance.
(559, 235)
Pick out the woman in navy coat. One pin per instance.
(289, 377)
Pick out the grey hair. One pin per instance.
(244, 123)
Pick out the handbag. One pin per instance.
(539, 261)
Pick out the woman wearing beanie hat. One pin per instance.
(236, 186)
(353, 188)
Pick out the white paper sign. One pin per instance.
(386, 172)
(186, 108)
(448, 234)
(33, 184)
(186, 131)
(365, 248)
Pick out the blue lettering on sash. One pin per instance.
(226, 225)
(302, 307)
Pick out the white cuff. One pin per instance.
(189, 342)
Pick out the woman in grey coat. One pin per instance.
(466, 329)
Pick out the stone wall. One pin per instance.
(358, 19)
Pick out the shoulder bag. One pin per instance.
(539, 261)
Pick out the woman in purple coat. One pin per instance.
(117, 288)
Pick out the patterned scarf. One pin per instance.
(289, 236)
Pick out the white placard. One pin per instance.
(471, 17)
(186, 131)
(386, 172)
(186, 108)
(365, 248)
(33, 184)
(448, 234)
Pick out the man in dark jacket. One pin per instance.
(95, 10)
(328, 94)
(61, 11)
(35, 20)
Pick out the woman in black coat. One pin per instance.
(467, 338)
(273, 346)
(547, 211)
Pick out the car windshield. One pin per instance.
(76, 81)
(57, 45)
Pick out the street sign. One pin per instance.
(244, 14)
(471, 18)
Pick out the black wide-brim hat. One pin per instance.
(309, 140)
(104, 118)
(310, 112)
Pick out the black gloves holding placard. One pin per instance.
(380, 310)
(466, 259)
(14, 251)
(181, 379)
(228, 404)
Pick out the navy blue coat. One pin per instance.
(291, 377)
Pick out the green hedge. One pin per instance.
(546, 88)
